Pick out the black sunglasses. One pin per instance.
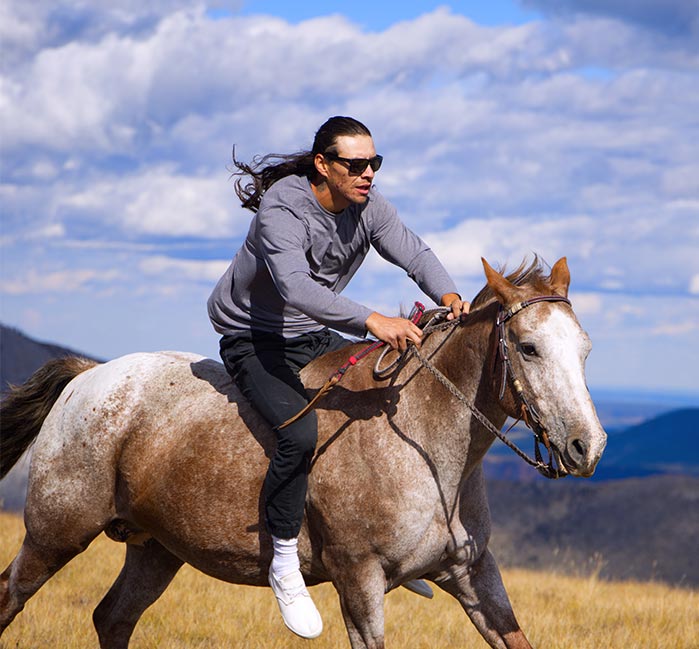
(357, 166)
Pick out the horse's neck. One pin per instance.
(464, 355)
(479, 370)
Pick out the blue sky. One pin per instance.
(564, 128)
(378, 16)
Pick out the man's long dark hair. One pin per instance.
(264, 171)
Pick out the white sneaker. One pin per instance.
(419, 587)
(297, 608)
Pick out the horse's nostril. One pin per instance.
(577, 449)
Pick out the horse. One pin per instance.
(160, 450)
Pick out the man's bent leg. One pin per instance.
(266, 368)
(287, 476)
(272, 384)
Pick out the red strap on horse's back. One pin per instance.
(415, 314)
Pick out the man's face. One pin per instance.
(344, 187)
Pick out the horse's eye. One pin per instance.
(528, 349)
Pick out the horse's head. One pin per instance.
(540, 364)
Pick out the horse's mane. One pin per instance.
(534, 274)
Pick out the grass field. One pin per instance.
(199, 612)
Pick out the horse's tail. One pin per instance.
(23, 410)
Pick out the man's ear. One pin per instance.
(321, 164)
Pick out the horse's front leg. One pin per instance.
(361, 588)
(480, 591)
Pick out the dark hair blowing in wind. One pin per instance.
(264, 171)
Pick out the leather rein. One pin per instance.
(529, 414)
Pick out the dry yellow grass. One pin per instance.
(199, 612)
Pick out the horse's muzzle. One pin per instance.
(580, 456)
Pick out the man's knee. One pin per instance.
(299, 439)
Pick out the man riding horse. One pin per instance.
(317, 213)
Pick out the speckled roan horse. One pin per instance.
(160, 450)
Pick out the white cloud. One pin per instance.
(18, 33)
(26, 28)
(676, 329)
(505, 241)
(47, 231)
(682, 181)
(66, 281)
(586, 303)
(177, 206)
(161, 266)
(109, 93)
(118, 121)
(672, 17)
(161, 202)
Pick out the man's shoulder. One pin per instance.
(288, 190)
(287, 205)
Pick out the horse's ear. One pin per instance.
(506, 292)
(560, 277)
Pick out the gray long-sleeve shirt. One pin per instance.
(297, 257)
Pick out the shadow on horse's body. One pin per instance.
(158, 448)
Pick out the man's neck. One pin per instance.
(325, 197)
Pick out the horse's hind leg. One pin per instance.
(35, 563)
(147, 572)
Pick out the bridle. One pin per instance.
(528, 412)
(552, 469)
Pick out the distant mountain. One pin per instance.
(21, 356)
(665, 445)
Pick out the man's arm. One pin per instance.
(396, 243)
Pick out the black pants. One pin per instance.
(266, 368)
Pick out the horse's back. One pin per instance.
(99, 404)
(162, 405)
(166, 442)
